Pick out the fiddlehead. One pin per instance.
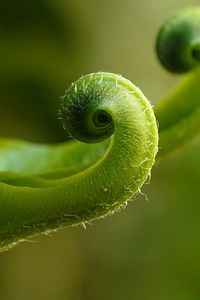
(74, 182)
(178, 49)
(178, 41)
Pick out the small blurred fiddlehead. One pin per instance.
(178, 41)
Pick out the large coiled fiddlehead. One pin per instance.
(46, 187)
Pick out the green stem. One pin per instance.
(178, 114)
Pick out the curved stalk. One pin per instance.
(178, 115)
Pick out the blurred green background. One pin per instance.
(151, 250)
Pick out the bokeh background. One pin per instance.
(151, 250)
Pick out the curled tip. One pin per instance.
(178, 41)
(83, 109)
